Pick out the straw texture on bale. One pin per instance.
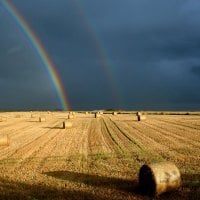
(141, 117)
(4, 140)
(67, 125)
(42, 119)
(157, 178)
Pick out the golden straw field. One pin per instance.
(95, 158)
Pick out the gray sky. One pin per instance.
(120, 54)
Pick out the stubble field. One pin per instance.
(97, 158)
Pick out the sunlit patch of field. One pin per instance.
(97, 158)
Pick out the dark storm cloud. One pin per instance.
(196, 70)
(153, 48)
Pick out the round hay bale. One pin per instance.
(138, 113)
(70, 116)
(67, 125)
(33, 116)
(42, 119)
(157, 178)
(97, 115)
(115, 113)
(141, 117)
(4, 140)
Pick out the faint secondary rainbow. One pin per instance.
(101, 51)
(35, 42)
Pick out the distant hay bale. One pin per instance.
(97, 115)
(86, 113)
(4, 140)
(42, 119)
(70, 116)
(138, 113)
(67, 125)
(101, 112)
(71, 113)
(157, 178)
(33, 116)
(141, 117)
(115, 113)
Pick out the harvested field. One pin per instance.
(95, 158)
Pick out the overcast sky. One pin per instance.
(120, 54)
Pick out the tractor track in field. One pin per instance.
(158, 135)
(30, 144)
(179, 123)
(145, 139)
(125, 134)
(96, 141)
(22, 135)
(127, 144)
(175, 144)
(33, 154)
(168, 130)
(6, 124)
(113, 143)
(12, 132)
(181, 130)
(165, 148)
(165, 135)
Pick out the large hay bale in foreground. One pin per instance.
(67, 125)
(42, 119)
(157, 178)
(4, 140)
(141, 117)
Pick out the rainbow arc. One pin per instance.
(37, 45)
